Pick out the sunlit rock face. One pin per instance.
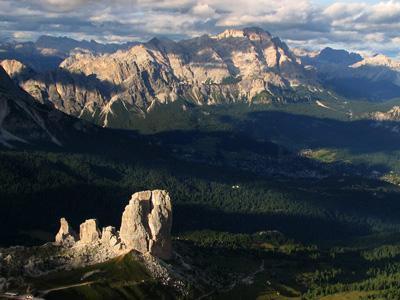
(16, 70)
(89, 231)
(146, 223)
(145, 227)
(66, 235)
(234, 66)
(391, 115)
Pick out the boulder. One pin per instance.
(66, 235)
(89, 231)
(146, 223)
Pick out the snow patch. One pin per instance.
(319, 103)
(151, 106)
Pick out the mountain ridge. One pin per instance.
(246, 65)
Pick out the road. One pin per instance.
(45, 292)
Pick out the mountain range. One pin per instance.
(111, 84)
(235, 66)
(374, 78)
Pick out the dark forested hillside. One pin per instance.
(234, 174)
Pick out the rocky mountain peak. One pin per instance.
(252, 33)
(379, 60)
(256, 34)
(234, 66)
(16, 70)
(338, 57)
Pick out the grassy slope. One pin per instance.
(120, 278)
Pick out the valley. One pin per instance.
(283, 185)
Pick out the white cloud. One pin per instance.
(203, 10)
(396, 41)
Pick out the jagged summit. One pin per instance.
(16, 70)
(246, 65)
(252, 33)
(379, 60)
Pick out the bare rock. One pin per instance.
(89, 231)
(66, 235)
(160, 223)
(146, 223)
(391, 115)
(16, 70)
(207, 70)
(109, 237)
(134, 230)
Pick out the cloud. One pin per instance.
(357, 25)
(203, 10)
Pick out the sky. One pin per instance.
(366, 26)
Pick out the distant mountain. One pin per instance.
(327, 57)
(65, 45)
(48, 52)
(246, 65)
(39, 59)
(352, 76)
(378, 60)
(338, 57)
(112, 85)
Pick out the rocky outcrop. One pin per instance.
(146, 223)
(89, 231)
(66, 235)
(110, 237)
(145, 227)
(378, 60)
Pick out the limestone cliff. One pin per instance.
(234, 66)
(66, 235)
(145, 227)
(146, 223)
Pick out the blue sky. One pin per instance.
(367, 26)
